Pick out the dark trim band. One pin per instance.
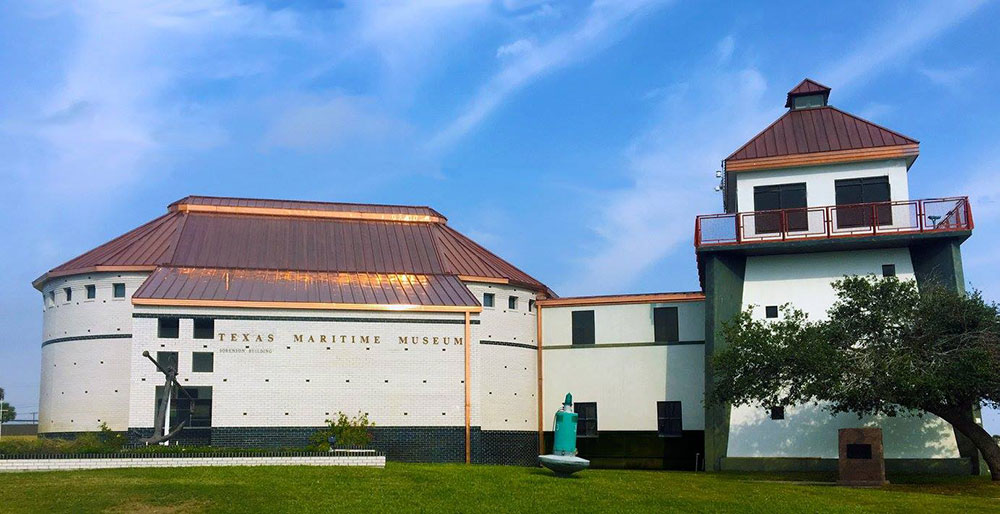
(305, 318)
(507, 343)
(86, 338)
(620, 345)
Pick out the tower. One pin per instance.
(817, 195)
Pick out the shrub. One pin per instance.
(349, 432)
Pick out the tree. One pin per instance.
(885, 348)
(7, 412)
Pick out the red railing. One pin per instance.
(857, 220)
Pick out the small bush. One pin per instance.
(349, 432)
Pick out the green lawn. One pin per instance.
(458, 488)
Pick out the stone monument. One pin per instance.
(862, 462)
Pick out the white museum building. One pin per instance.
(279, 314)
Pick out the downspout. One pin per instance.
(541, 426)
(468, 393)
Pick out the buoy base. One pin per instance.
(563, 465)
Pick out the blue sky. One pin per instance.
(576, 139)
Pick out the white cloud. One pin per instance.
(896, 40)
(513, 49)
(952, 78)
(603, 24)
(724, 48)
(321, 123)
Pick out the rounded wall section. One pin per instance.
(505, 359)
(86, 343)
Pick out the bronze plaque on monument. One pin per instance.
(861, 457)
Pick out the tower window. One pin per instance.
(52, 297)
(69, 294)
(168, 327)
(665, 329)
(512, 303)
(888, 270)
(668, 419)
(586, 423)
(583, 327)
(91, 291)
(531, 305)
(771, 311)
(167, 359)
(488, 299)
(119, 290)
(204, 328)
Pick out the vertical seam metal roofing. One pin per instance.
(300, 243)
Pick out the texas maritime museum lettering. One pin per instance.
(250, 337)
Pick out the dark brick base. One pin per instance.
(641, 450)
(402, 444)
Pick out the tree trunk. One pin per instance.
(965, 423)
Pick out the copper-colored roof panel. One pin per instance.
(821, 129)
(305, 206)
(268, 286)
(253, 241)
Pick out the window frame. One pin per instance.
(669, 414)
(888, 270)
(114, 290)
(512, 303)
(161, 330)
(194, 362)
(671, 333)
(91, 291)
(771, 311)
(586, 426)
(578, 334)
(492, 300)
(68, 291)
(195, 328)
(175, 356)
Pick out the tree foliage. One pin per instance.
(885, 348)
(348, 432)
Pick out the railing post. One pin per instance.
(968, 213)
(874, 219)
(828, 221)
(738, 221)
(920, 215)
(784, 224)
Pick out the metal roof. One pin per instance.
(821, 129)
(224, 287)
(300, 237)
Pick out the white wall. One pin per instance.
(288, 383)
(625, 381)
(804, 280)
(628, 323)
(85, 381)
(820, 180)
(505, 378)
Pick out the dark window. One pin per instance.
(668, 419)
(531, 305)
(888, 270)
(488, 299)
(204, 328)
(777, 413)
(862, 191)
(859, 451)
(583, 327)
(119, 290)
(586, 423)
(196, 411)
(512, 303)
(91, 291)
(202, 362)
(771, 311)
(167, 359)
(168, 327)
(69, 294)
(783, 196)
(665, 324)
(52, 297)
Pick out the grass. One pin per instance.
(458, 488)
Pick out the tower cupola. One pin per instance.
(808, 94)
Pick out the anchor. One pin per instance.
(161, 409)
